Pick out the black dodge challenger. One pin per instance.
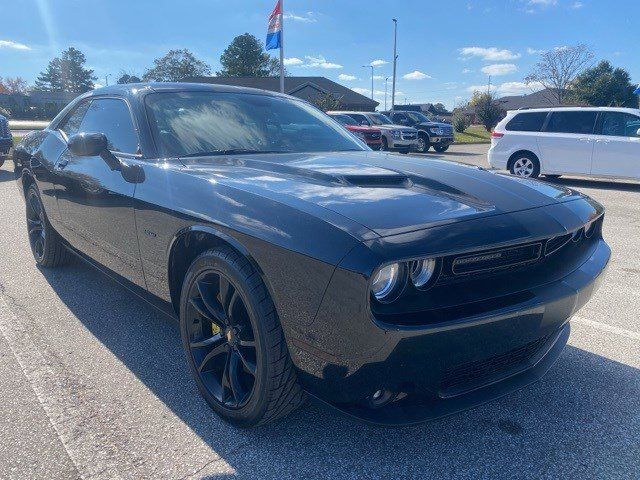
(300, 263)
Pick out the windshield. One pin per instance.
(206, 123)
(379, 119)
(344, 119)
(418, 117)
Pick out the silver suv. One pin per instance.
(398, 138)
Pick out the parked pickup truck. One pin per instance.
(369, 135)
(6, 140)
(430, 134)
(397, 138)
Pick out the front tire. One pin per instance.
(525, 165)
(46, 245)
(384, 146)
(234, 343)
(423, 143)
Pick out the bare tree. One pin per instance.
(558, 68)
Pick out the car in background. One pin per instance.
(585, 141)
(6, 140)
(396, 138)
(430, 133)
(369, 135)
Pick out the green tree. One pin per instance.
(327, 102)
(245, 57)
(488, 110)
(66, 74)
(128, 78)
(604, 86)
(175, 66)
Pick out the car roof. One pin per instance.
(577, 109)
(136, 89)
(349, 112)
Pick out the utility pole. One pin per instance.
(395, 61)
(371, 67)
(386, 82)
(281, 46)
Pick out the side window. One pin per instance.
(400, 118)
(113, 118)
(527, 122)
(619, 124)
(361, 119)
(71, 124)
(572, 122)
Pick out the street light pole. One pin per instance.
(386, 82)
(395, 61)
(371, 67)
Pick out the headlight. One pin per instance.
(437, 131)
(421, 271)
(395, 133)
(387, 282)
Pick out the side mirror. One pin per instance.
(87, 144)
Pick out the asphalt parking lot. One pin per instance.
(94, 385)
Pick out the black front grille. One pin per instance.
(496, 259)
(372, 136)
(475, 374)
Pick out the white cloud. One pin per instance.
(535, 51)
(292, 62)
(416, 75)
(577, 5)
(308, 17)
(467, 70)
(378, 77)
(544, 3)
(13, 45)
(346, 77)
(499, 69)
(378, 63)
(508, 88)
(489, 54)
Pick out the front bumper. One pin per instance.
(445, 367)
(5, 145)
(440, 140)
(403, 145)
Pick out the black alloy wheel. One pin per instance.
(423, 143)
(46, 245)
(234, 343)
(221, 339)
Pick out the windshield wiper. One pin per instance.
(231, 151)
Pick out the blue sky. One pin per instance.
(446, 48)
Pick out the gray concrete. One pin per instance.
(94, 384)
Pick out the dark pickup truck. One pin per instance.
(430, 134)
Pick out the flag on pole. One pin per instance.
(274, 31)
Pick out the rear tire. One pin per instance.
(46, 245)
(525, 165)
(226, 313)
(441, 149)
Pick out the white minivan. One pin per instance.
(584, 141)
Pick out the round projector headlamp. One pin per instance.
(386, 282)
(421, 271)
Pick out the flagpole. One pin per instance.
(282, 46)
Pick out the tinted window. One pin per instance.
(197, 123)
(527, 122)
(361, 119)
(71, 125)
(112, 117)
(344, 119)
(619, 124)
(379, 119)
(398, 117)
(571, 122)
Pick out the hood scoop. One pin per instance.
(378, 181)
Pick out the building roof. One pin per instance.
(544, 98)
(297, 86)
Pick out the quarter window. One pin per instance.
(71, 125)
(527, 122)
(572, 122)
(619, 124)
(112, 117)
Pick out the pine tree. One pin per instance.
(66, 74)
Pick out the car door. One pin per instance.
(566, 142)
(617, 148)
(95, 202)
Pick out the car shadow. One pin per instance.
(619, 185)
(579, 419)
(6, 175)
(447, 154)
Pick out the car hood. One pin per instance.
(395, 127)
(388, 194)
(433, 125)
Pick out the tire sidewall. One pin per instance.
(257, 405)
(426, 143)
(534, 160)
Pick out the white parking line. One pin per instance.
(607, 328)
(79, 440)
